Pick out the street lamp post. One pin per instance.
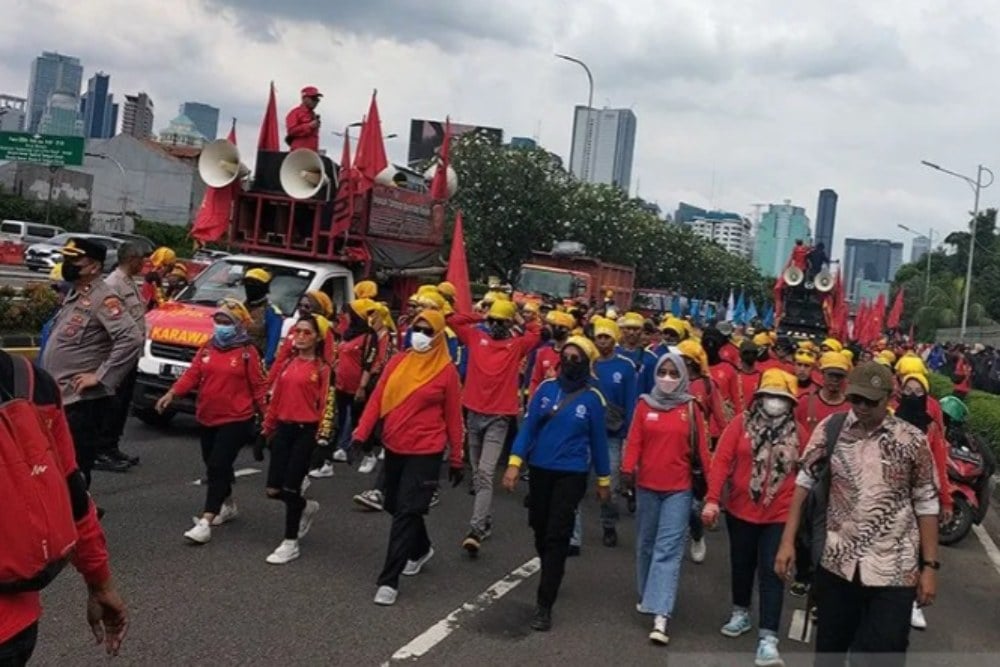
(590, 107)
(930, 240)
(121, 169)
(977, 186)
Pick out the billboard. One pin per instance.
(426, 137)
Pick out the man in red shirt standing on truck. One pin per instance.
(302, 122)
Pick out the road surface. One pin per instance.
(221, 604)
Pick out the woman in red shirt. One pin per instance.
(299, 416)
(667, 444)
(228, 374)
(757, 458)
(418, 402)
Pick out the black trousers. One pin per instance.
(551, 514)
(16, 651)
(220, 445)
(86, 421)
(871, 622)
(752, 550)
(291, 451)
(410, 481)
(117, 413)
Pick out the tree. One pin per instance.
(944, 307)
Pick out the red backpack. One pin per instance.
(37, 530)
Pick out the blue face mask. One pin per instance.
(224, 333)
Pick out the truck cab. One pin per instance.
(176, 330)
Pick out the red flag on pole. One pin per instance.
(269, 139)
(878, 319)
(212, 219)
(861, 317)
(343, 203)
(370, 159)
(896, 312)
(439, 185)
(458, 269)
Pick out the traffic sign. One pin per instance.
(42, 149)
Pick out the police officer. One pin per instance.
(93, 346)
(122, 281)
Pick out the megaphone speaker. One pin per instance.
(303, 174)
(219, 164)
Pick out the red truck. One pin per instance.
(567, 273)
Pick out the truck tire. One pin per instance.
(961, 523)
(151, 417)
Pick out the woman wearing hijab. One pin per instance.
(757, 458)
(666, 455)
(418, 402)
(563, 436)
(299, 416)
(229, 377)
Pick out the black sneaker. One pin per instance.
(542, 620)
(630, 502)
(106, 463)
(610, 537)
(574, 550)
(119, 455)
(472, 543)
(799, 589)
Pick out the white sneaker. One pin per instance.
(698, 550)
(381, 454)
(371, 499)
(306, 483)
(386, 595)
(308, 514)
(340, 456)
(367, 464)
(413, 567)
(227, 513)
(917, 619)
(286, 552)
(201, 533)
(326, 470)
(659, 632)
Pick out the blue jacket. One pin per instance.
(635, 356)
(618, 381)
(574, 440)
(272, 326)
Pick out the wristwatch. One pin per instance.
(932, 564)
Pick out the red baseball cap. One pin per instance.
(311, 91)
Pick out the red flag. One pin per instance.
(861, 317)
(878, 321)
(370, 159)
(212, 220)
(779, 301)
(343, 203)
(458, 269)
(896, 312)
(439, 185)
(269, 139)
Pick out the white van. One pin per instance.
(27, 233)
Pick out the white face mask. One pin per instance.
(667, 384)
(420, 341)
(774, 406)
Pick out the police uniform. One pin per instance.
(127, 290)
(91, 333)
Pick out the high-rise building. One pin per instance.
(735, 234)
(603, 145)
(204, 116)
(780, 227)
(182, 132)
(12, 113)
(873, 260)
(61, 116)
(137, 120)
(100, 113)
(51, 73)
(688, 213)
(826, 215)
(921, 246)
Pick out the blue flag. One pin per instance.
(695, 306)
(675, 305)
(769, 317)
(751, 312)
(740, 311)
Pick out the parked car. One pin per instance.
(27, 233)
(44, 256)
(147, 245)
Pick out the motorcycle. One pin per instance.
(970, 471)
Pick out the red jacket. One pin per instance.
(301, 394)
(354, 357)
(742, 386)
(491, 381)
(658, 447)
(939, 448)
(429, 419)
(710, 400)
(90, 557)
(298, 132)
(729, 352)
(733, 463)
(231, 384)
(963, 375)
(812, 409)
(546, 366)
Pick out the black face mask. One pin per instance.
(574, 371)
(762, 354)
(560, 333)
(255, 290)
(913, 409)
(71, 272)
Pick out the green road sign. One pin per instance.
(41, 149)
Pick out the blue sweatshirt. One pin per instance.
(618, 381)
(635, 356)
(571, 441)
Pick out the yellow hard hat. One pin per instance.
(586, 346)
(363, 307)
(761, 340)
(447, 289)
(776, 382)
(502, 310)
(162, 256)
(366, 289)
(834, 361)
(693, 350)
(257, 274)
(605, 327)
(558, 318)
(832, 344)
(910, 365)
(631, 319)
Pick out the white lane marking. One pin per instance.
(242, 472)
(991, 548)
(438, 632)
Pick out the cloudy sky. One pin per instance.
(738, 101)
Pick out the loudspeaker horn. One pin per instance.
(793, 276)
(824, 281)
(387, 177)
(451, 177)
(219, 164)
(302, 174)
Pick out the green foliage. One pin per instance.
(941, 385)
(162, 234)
(26, 312)
(70, 218)
(984, 417)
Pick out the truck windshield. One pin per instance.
(551, 283)
(225, 279)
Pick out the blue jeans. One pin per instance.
(661, 532)
(609, 510)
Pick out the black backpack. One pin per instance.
(814, 513)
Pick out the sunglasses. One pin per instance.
(303, 332)
(861, 400)
(427, 331)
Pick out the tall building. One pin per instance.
(204, 116)
(826, 215)
(182, 132)
(688, 213)
(921, 246)
(603, 146)
(872, 260)
(100, 113)
(735, 234)
(137, 120)
(780, 227)
(51, 73)
(61, 116)
(12, 113)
